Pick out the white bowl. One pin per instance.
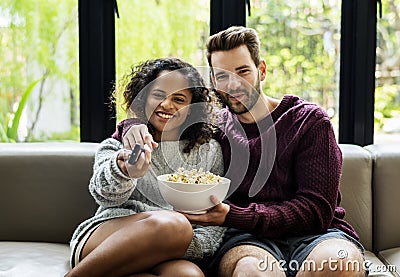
(192, 198)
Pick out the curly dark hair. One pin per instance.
(197, 127)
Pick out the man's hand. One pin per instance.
(138, 134)
(214, 216)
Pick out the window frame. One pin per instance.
(96, 68)
(357, 72)
(357, 64)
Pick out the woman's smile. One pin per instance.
(164, 116)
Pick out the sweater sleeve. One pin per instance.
(124, 126)
(108, 185)
(317, 171)
(205, 242)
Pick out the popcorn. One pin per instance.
(194, 176)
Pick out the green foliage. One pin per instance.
(155, 29)
(387, 92)
(299, 43)
(3, 135)
(12, 132)
(71, 135)
(385, 104)
(40, 39)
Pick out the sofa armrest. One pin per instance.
(355, 186)
(386, 191)
(44, 190)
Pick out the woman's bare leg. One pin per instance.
(176, 268)
(134, 244)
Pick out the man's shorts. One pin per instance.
(290, 252)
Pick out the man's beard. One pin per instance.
(252, 97)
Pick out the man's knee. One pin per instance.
(249, 260)
(336, 257)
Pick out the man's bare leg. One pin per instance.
(334, 257)
(249, 261)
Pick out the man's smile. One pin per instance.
(237, 97)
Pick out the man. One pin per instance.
(285, 166)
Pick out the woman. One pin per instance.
(134, 231)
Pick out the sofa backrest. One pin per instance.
(355, 187)
(386, 191)
(44, 190)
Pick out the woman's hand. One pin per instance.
(214, 216)
(137, 169)
(138, 134)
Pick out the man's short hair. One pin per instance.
(234, 37)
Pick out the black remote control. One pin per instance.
(136, 151)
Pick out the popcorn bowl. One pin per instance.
(192, 198)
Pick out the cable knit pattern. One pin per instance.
(301, 195)
(119, 195)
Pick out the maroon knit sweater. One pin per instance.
(291, 165)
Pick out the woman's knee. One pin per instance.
(171, 227)
(181, 268)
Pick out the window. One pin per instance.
(156, 29)
(300, 41)
(39, 64)
(387, 74)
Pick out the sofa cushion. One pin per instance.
(376, 266)
(33, 259)
(355, 187)
(386, 189)
(391, 258)
(44, 190)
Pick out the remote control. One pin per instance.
(136, 151)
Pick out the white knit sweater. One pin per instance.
(119, 195)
